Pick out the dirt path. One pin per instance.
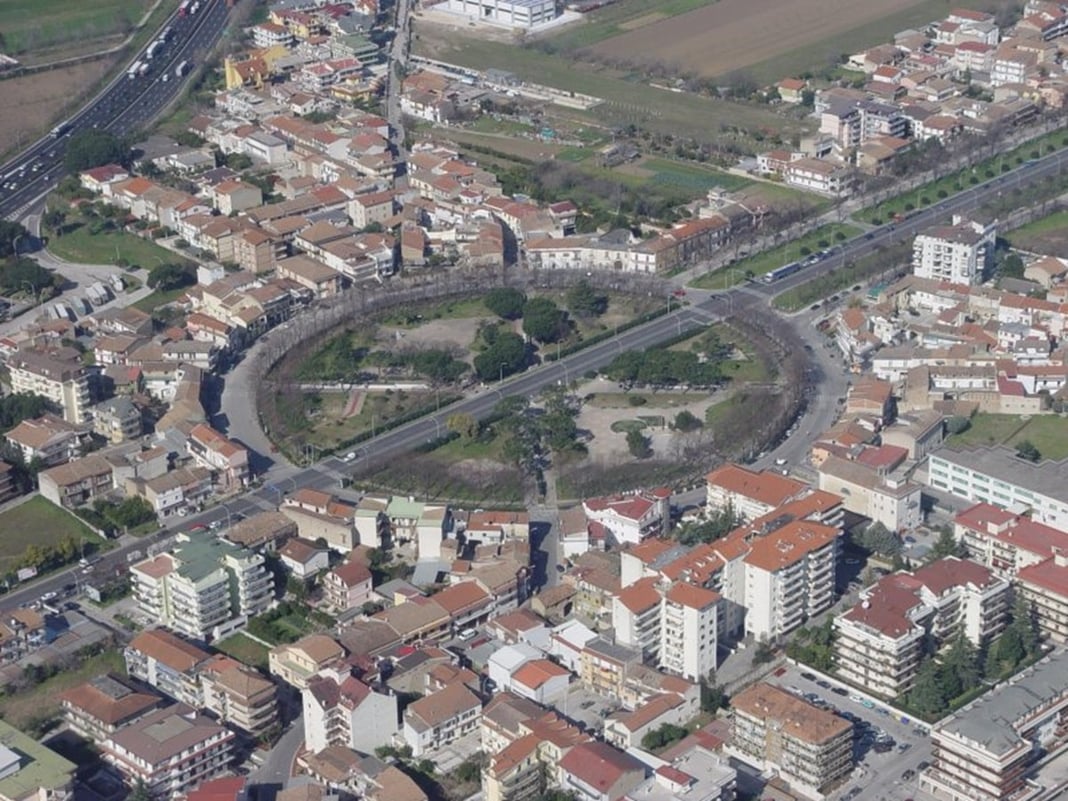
(355, 403)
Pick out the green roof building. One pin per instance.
(28, 770)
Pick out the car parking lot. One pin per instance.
(889, 749)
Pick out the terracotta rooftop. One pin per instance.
(599, 765)
(793, 716)
(789, 544)
(169, 649)
(768, 488)
(640, 596)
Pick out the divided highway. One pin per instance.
(125, 105)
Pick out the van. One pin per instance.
(467, 634)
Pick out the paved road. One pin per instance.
(124, 106)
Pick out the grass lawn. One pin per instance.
(1048, 235)
(455, 309)
(27, 709)
(161, 297)
(1048, 433)
(612, 20)
(653, 400)
(768, 260)
(38, 522)
(30, 25)
(487, 445)
(244, 649)
(718, 412)
(107, 248)
(330, 427)
(695, 177)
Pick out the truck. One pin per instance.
(134, 70)
(59, 130)
(181, 69)
(183, 9)
(152, 48)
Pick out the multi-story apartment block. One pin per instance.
(103, 705)
(984, 751)
(205, 587)
(175, 492)
(603, 665)
(48, 439)
(347, 586)
(64, 383)
(960, 253)
(171, 750)
(891, 500)
(881, 641)
(440, 718)
(227, 460)
(631, 518)
(834, 178)
(165, 661)
(789, 577)
(748, 493)
(777, 731)
(339, 709)
(1006, 542)
(1045, 588)
(76, 483)
(296, 663)
(239, 695)
(673, 623)
(996, 475)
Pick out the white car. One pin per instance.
(780, 462)
(349, 457)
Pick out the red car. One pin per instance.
(679, 293)
(198, 527)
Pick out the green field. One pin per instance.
(851, 274)
(161, 297)
(610, 20)
(1048, 235)
(30, 25)
(1048, 433)
(38, 522)
(108, 248)
(629, 98)
(768, 260)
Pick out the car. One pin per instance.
(779, 463)
(910, 539)
(83, 562)
(560, 569)
(197, 527)
(924, 765)
(808, 676)
(467, 634)
(215, 525)
(793, 689)
(48, 596)
(864, 702)
(349, 457)
(87, 570)
(908, 775)
(823, 683)
(869, 236)
(679, 293)
(814, 307)
(840, 691)
(904, 747)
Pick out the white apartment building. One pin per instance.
(339, 709)
(832, 178)
(749, 493)
(983, 751)
(995, 475)
(440, 718)
(1004, 541)
(673, 623)
(960, 253)
(880, 641)
(631, 518)
(884, 499)
(204, 587)
(65, 384)
(789, 577)
(778, 732)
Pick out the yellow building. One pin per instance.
(253, 67)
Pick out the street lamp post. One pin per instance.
(501, 375)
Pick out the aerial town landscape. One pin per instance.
(522, 400)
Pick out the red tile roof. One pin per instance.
(640, 596)
(599, 765)
(771, 489)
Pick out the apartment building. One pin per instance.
(347, 586)
(1045, 588)
(888, 499)
(64, 383)
(165, 661)
(631, 518)
(438, 719)
(881, 641)
(789, 577)
(961, 253)
(749, 493)
(103, 705)
(296, 663)
(603, 665)
(339, 709)
(699, 773)
(78, 482)
(227, 460)
(597, 771)
(239, 695)
(995, 475)
(776, 731)
(832, 178)
(204, 588)
(983, 751)
(171, 750)
(30, 771)
(175, 492)
(675, 624)
(1006, 542)
(49, 439)
(319, 514)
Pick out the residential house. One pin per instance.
(296, 663)
(227, 460)
(48, 440)
(319, 514)
(303, 559)
(440, 718)
(347, 586)
(339, 709)
(102, 705)
(596, 771)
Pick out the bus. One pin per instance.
(59, 130)
(782, 272)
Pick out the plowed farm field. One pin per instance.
(732, 35)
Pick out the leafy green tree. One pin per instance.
(763, 653)
(140, 792)
(238, 161)
(946, 545)
(463, 424)
(1011, 266)
(687, 421)
(1024, 622)
(718, 524)
(713, 697)
(638, 444)
(960, 667)
(927, 696)
(582, 300)
(18, 407)
(22, 274)
(543, 320)
(505, 302)
(508, 351)
(171, 276)
(958, 424)
(94, 148)
(10, 234)
(878, 539)
(1025, 449)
